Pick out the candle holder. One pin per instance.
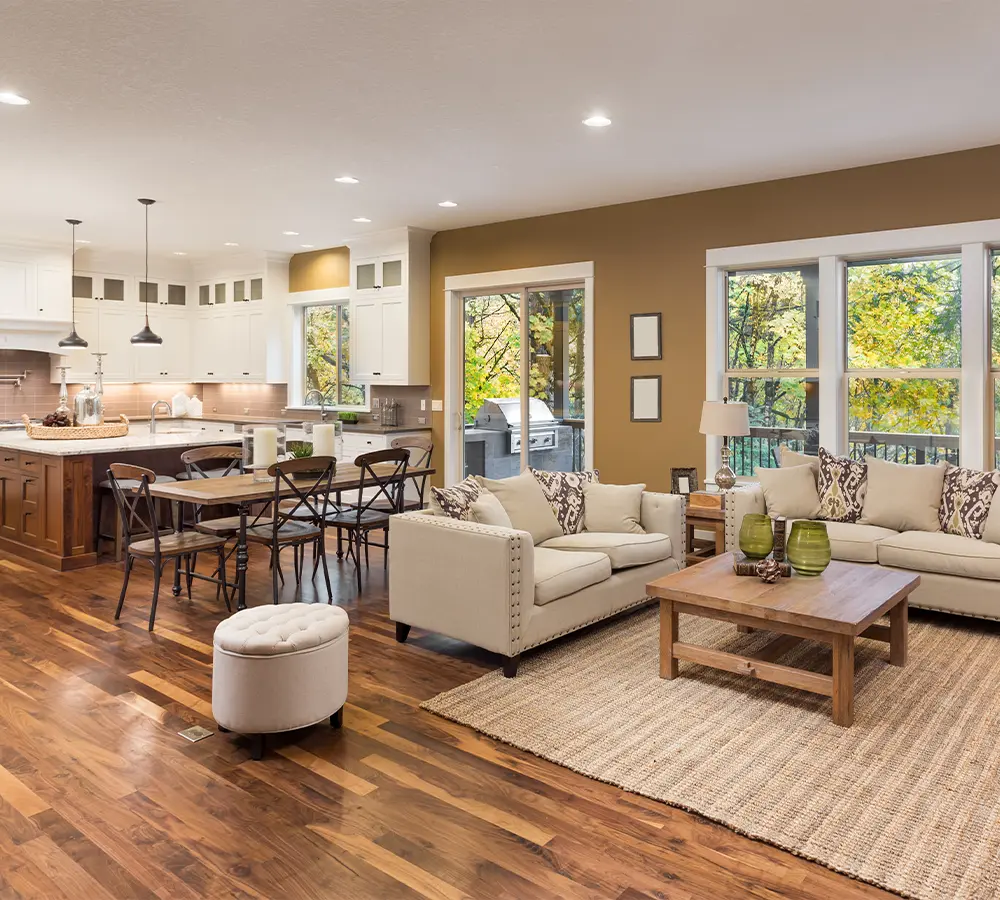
(263, 446)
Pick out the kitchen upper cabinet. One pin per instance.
(390, 308)
(169, 361)
(53, 299)
(15, 284)
(247, 345)
(379, 273)
(248, 289)
(117, 324)
(94, 286)
(34, 286)
(82, 366)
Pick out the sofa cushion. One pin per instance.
(966, 500)
(523, 500)
(842, 486)
(789, 492)
(564, 491)
(624, 550)
(906, 498)
(487, 510)
(560, 572)
(854, 542)
(946, 554)
(612, 508)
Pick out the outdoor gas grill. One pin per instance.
(493, 443)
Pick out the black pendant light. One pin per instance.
(147, 337)
(73, 339)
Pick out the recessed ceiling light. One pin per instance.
(230, 244)
(346, 179)
(180, 253)
(597, 121)
(307, 246)
(290, 233)
(12, 99)
(447, 204)
(360, 219)
(82, 241)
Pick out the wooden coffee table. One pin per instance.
(836, 607)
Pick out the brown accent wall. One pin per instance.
(320, 269)
(650, 256)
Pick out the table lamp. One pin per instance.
(725, 420)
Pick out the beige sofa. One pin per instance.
(492, 587)
(957, 574)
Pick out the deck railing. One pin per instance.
(760, 448)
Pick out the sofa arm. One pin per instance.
(739, 502)
(461, 579)
(664, 514)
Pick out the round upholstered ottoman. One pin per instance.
(278, 668)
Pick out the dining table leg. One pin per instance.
(242, 558)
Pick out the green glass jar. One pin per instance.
(808, 548)
(756, 536)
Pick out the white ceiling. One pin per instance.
(236, 115)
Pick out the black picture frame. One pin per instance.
(645, 320)
(677, 473)
(646, 415)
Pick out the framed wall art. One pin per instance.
(646, 398)
(645, 337)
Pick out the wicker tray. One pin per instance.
(76, 432)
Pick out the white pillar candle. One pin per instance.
(265, 446)
(323, 440)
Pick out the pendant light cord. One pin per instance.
(145, 287)
(72, 277)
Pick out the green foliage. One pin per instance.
(299, 449)
(322, 325)
(767, 320)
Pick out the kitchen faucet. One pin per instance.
(152, 414)
(322, 401)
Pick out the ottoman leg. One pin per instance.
(402, 632)
(257, 746)
(222, 729)
(337, 719)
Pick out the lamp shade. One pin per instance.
(724, 419)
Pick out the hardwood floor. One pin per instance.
(100, 798)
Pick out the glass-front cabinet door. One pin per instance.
(378, 273)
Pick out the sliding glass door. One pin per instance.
(523, 408)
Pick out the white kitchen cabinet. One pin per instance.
(117, 323)
(211, 346)
(82, 365)
(16, 288)
(248, 289)
(171, 360)
(52, 298)
(247, 344)
(390, 308)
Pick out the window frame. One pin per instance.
(336, 297)
(973, 241)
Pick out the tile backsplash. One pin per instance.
(37, 396)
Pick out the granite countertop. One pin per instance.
(379, 428)
(138, 438)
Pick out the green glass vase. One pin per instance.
(756, 536)
(808, 548)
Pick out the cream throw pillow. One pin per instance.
(790, 492)
(790, 458)
(612, 508)
(904, 498)
(525, 504)
(487, 510)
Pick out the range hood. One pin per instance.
(31, 334)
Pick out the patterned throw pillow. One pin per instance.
(966, 499)
(564, 491)
(842, 486)
(456, 500)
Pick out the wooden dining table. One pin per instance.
(242, 491)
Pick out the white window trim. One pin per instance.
(298, 303)
(496, 282)
(972, 240)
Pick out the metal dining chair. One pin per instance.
(310, 494)
(366, 516)
(421, 449)
(158, 549)
(229, 461)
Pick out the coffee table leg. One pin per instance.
(668, 635)
(843, 680)
(899, 617)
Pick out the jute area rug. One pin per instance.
(907, 799)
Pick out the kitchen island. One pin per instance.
(49, 495)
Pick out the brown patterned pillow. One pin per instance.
(966, 499)
(842, 486)
(564, 491)
(455, 501)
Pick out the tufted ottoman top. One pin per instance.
(286, 628)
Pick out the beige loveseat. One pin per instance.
(957, 574)
(491, 586)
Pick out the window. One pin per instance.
(904, 358)
(772, 338)
(326, 338)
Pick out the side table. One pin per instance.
(703, 517)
